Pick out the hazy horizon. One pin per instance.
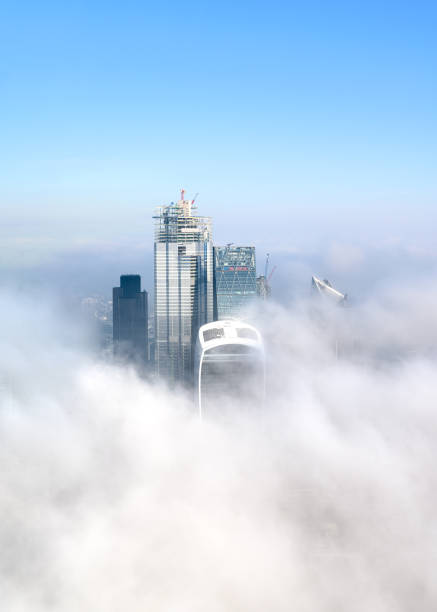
(302, 126)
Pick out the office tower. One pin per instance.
(130, 332)
(183, 287)
(229, 367)
(235, 279)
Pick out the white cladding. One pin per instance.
(245, 348)
(325, 288)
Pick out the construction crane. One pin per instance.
(271, 274)
(266, 269)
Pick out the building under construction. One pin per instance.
(263, 288)
(184, 297)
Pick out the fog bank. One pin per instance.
(114, 496)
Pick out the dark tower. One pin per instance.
(130, 319)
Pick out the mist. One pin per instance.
(115, 496)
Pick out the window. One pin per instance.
(245, 332)
(213, 334)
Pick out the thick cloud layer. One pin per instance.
(114, 496)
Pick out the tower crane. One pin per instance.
(266, 269)
(271, 274)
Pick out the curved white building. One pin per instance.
(229, 365)
(325, 289)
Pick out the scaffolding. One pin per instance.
(176, 223)
(263, 289)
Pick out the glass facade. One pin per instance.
(231, 372)
(235, 279)
(183, 287)
(229, 368)
(130, 318)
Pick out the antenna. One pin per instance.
(182, 194)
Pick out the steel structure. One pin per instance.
(263, 288)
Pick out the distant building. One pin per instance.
(98, 311)
(130, 313)
(262, 288)
(324, 289)
(184, 292)
(235, 279)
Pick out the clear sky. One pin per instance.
(294, 120)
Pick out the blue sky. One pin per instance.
(321, 114)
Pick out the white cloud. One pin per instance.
(345, 257)
(114, 496)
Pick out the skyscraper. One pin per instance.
(235, 279)
(183, 286)
(229, 366)
(130, 313)
(325, 289)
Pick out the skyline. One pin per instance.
(83, 270)
(194, 441)
(325, 115)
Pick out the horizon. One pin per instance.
(302, 128)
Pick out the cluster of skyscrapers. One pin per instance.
(195, 283)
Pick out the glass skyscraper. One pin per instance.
(184, 290)
(130, 318)
(229, 366)
(235, 279)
